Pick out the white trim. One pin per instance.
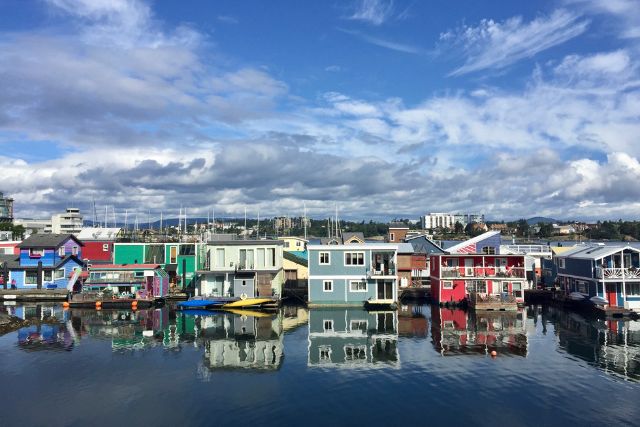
(447, 287)
(361, 276)
(366, 286)
(324, 289)
(324, 323)
(350, 247)
(354, 265)
(365, 321)
(320, 258)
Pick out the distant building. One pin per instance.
(282, 223)
(34, 226)
(563, 229)
(6, 208)
(437, 220)
(69, 222)
(397, 232)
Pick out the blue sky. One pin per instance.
(385, 108)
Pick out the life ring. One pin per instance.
(243, 296)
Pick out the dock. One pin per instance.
(415, 293)
(492, 302)
(585, 306)
(33, 294)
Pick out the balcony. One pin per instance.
(383, 270)
(618, 273)
(482, 272)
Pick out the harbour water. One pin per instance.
(418, 365)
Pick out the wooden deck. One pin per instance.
(415, 293)
(492, 302)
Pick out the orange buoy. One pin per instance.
(65, 304)
(134, 304)
(98, 304)
(494, 353)
(98, 308)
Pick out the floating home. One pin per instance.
(353, 274)
(455, 276)
(353, 338)
(129, 280)
(98, 244)
(242, 269)
(611, 272)
(179, 260)
(45, 261)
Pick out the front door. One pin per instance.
(612, 295)
(468, 267)
(385, 289)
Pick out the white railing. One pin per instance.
(528, 249)
(471, 272)
(618, 273)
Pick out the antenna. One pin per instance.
(245, 223)
(304, 219)
(258, 226)
(213, 214)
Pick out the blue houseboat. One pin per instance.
(610, 272)
(45, 261)
(353, 274)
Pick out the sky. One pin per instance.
(381, 108)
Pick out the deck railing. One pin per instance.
(488, 298)
(388, 271)
(472, 272)
(618, 273)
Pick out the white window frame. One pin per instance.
(392, 236)
(326, 349)
(366, 286)
(629, 288)
(447, 284)
(320, 258)
(327, 325)
(74, 250)
(324, 285)
(36, 253)
(561, 263)
(61, 251)
(359, 349)
(359, 323)
(105, 247)
(58, 274)
(352, 253)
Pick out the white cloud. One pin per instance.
(496, 45)
(387, 44)
(227, 19)
(374, 12)
(625, 12)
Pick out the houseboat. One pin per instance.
(353, 274)
(483, 281)
(609, 272)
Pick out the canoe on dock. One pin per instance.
(249, 302)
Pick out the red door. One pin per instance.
(612, 295)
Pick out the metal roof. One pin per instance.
(595, 252)
(476, 239)
(405, 248)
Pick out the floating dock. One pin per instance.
(493, 302)
(33, 294)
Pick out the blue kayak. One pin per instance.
(204, 303)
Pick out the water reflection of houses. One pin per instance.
(412, 321)
(611, 345)
(353, 338)
(47, 330)
(242, 341)
(458, 332)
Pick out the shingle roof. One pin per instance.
(47, 240)
(12, 261)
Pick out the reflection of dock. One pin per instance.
(353, 338)
(412, 321)
(33, 294)
(457, 332)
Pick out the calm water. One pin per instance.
(417, 366)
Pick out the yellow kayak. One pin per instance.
(247, 302)
(248, 313)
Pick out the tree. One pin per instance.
(546, 230)
(458, 228)
(522, 227)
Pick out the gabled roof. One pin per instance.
(405, 248)
(13, 261)
(47, 240)
(66, 259)
(424, 245)
(471, 241)
(348, 236)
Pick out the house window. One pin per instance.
(358, 286)
(392, 236)
(59, 274)
(74, 250)
(31, 278)
(271, 257)
(61, 251)
(452, 262)
(328, 325)
(173, 254)
(260, 258)
(359, 325)
(448, 324)
(479, 286)
(633, 289)
(354, 258)
(517, 289)
(582, 287)
(286, 244)
(561, 263)
(36, 253)
(105, 247)
(325, 353)
(48, 275)
(220, 257)
(327, 286)
(489, 250)
(355, 352)
(447, 285)
(325, 258)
